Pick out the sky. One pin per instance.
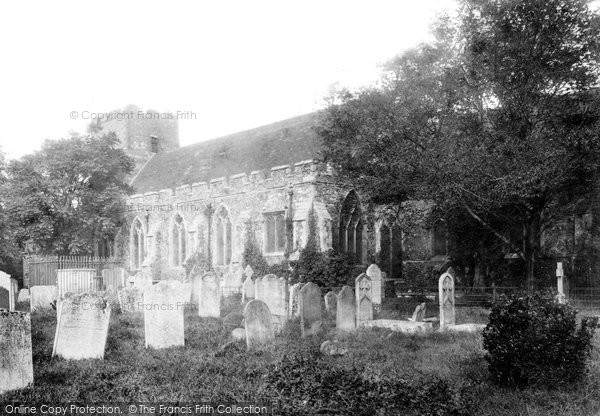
(226, 65)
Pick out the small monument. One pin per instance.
(82, 327)
(346, 310)
(163, 315)
(16, 360)
(374, 273)
(209, 303)
(419, 313)
(258, 324)
(364, 302)
(446, 296)
(309, 301)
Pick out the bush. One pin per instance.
(533, 340)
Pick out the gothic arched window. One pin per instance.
(223, 241)
(351, 226)
(178, 243)
(138, 251)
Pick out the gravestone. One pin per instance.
(560, 283)
(114, 277)
(331, 304)
(248, 272)
(309, 303)
(446, 296)
(42, 297)
(8, 301)
(248, 289)
(16, 361)
(209, 291)
(419, 313)
(131, 299)
(376, 277)
(76, 281)
(346, 310)
(258, 324)
(293, 309)
(364, 303)
(23, 296)
(163, 315)
(273, 291)
(82, 327)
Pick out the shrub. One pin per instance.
(533, 340)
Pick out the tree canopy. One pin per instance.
(497, 119)
(68, 196)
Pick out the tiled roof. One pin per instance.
(285, 142)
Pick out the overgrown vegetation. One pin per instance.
(534, 340)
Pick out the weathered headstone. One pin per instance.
(42, 297)
(374, 273)
(248, 289)
(16, 362)
(209, 303)
(23, 296)
(560, 283)
(309, 302)
(76, 281)
(446, 296)
(293, 308)
(114, 277)
(419, 313)
(273, 291)
(364, 302)
(346, 310)
(131, 299)
(163, 315)
(258, 324)
(82, 327)
(7, 284)
(331, 304)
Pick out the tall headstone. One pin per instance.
(419, 313)
(82, 327)
(163, 315)
(209, 303)
(131, 299)
(293, 308)
(273, 291)
(346, 310)
(560, 283)
(16, 362)
(364, 302)
(374, 273)
(7, 284)
(331, 304)
(258, 323)
(76, 281)
(248, 289)
(446, 296)
(309, 302)
(42, 297)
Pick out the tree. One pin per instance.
(497, 118)
(68, 196)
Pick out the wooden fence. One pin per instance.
(41, 270)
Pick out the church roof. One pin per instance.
(281, 143)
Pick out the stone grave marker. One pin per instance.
(42, 297)
(82, 327)
(16, 360)
(364, 303)
(273, 291)
(376, 277)
(309, 302)
(163, 315)
(346, 310)
(248, 272)
(446, 296)
(248, 289)
(293, 309)
(131, 299)
(331, 304)
(419, 313)
(209, 302)
(7, 301)
(76, 281)
(560, 283)
(23, 296)
(258, 324)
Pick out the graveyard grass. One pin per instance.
(132, 373)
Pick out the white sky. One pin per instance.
(235, 64)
